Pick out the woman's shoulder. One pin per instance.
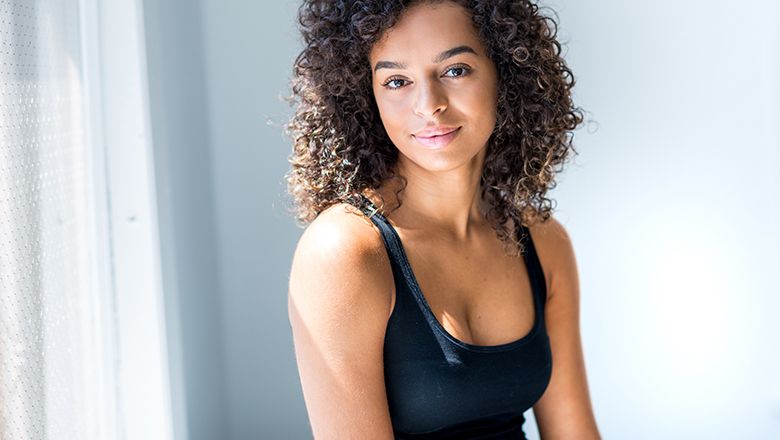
(340, 300)
(340, 256)
(342, 233)
(550, 231)
(556, 253)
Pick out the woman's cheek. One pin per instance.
(393, 118)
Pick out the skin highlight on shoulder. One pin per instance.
(341, 248)
(340, 228)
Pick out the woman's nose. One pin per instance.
(430, 98)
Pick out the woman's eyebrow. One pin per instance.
(439, 58)
(452, 52)
(389, 65)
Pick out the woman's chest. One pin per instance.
(436, 383)
(479, 295)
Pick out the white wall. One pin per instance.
(249, 51)
(182, 157)
(673, 204)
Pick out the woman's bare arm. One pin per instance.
(341, 295)
(564, 412)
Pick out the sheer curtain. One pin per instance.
(82, 350)
(55, 360)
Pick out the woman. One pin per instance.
(433, 295)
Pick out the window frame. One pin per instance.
(140, 399)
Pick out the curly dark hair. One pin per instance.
(341, 148)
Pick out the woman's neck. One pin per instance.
(449, 202)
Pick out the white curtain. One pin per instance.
(56, 357)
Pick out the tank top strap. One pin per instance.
(386, 230)
(397, 255)
(534, 266)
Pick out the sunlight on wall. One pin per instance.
(688, 345)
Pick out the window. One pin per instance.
(82, 343)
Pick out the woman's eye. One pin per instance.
(395, 83)
(456, 71)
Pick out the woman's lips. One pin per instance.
(436, 137)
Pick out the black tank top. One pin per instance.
(439, 387)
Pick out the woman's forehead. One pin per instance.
(426, 31)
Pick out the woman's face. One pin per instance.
(436, 89)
